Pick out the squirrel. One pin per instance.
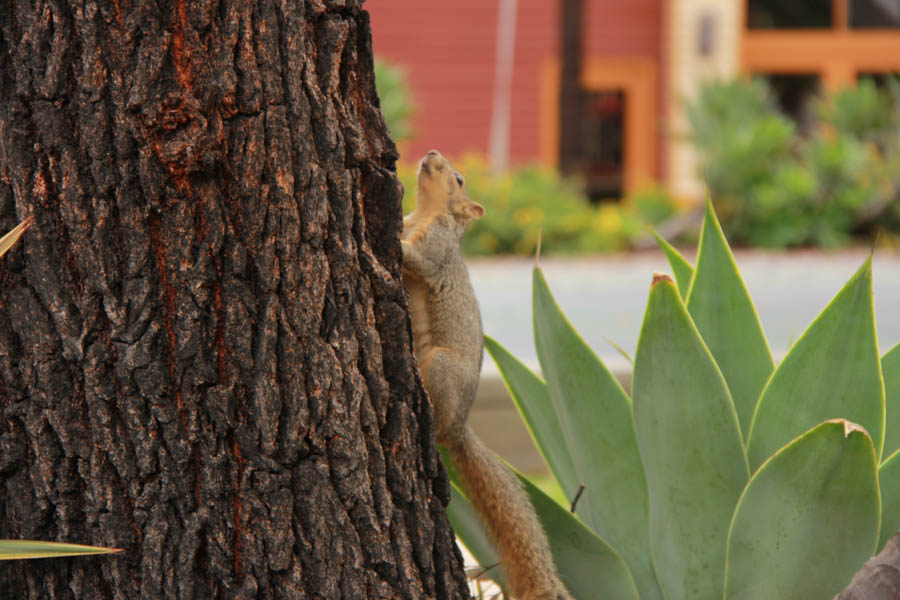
(448, 343)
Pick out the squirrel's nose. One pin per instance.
(433, 153)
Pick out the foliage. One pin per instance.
(7, 241)
(724, 475)
(777, 188)
(530, 200)
(396, 99)
(19, 549)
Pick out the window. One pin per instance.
(602, 144)
(874, 14)
(879, 79)
(791, 14)
(794, 94)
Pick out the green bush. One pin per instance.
(776, 188)
(396, 99)
(724, 475)
(527, 200)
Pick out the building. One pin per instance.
(486, 74)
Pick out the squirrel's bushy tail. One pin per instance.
(510, 520)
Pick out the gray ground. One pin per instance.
(605, 297)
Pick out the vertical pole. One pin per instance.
(840, 15)
(498, 144)
(570, 39)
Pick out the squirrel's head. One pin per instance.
(441, 189)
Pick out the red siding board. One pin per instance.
(449, 55)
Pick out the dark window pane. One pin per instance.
(874, 14)
(603, 127)
(794, 94)
(789, 14)
(880, 79)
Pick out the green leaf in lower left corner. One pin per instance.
(19, 549)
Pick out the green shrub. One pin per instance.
(396, 99)
(776, 188)
(527, 200)
(724, 475)
(653, 205)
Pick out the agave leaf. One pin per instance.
(7, 241)
(682, 269)
(721, 307)
(467, 525)
(529, 393)
(889, 481)
(808, 518)
(832, 371)
(588, 566)
(595, 418)
(18, 549)
(890, 368)
(690, 444)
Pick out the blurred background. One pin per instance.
(593, 120)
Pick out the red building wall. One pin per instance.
(449, 50)
(623, 28)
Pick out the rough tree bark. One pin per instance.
(205, 356)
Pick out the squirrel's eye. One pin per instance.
(459, 179)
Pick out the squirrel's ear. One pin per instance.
(476, 211)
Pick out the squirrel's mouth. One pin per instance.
(431, 161)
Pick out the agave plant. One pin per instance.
(724, 475)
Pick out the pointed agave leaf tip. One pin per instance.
(849, 427)
(537, 250)
(659, 276)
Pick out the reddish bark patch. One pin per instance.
(182, 63)
(169, 313)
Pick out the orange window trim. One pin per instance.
(637, 78)
(838, 55)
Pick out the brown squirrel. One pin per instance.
(448, 347)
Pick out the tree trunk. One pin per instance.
(879, 578)
(205, 354)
